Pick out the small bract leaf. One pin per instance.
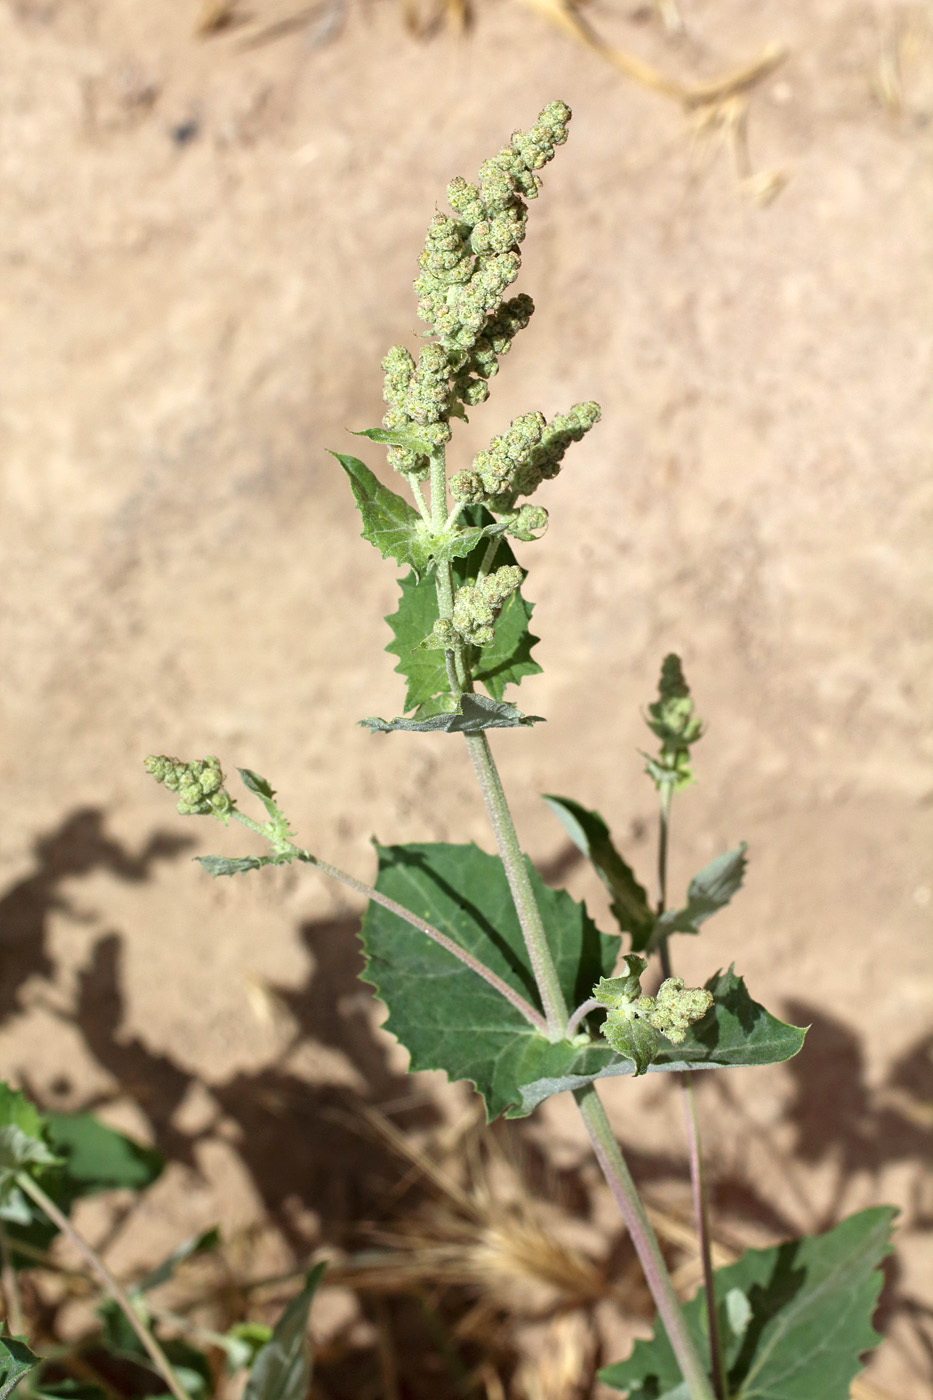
(590, 834)
(233, 865)
(203, 1243)
(709, 891)
(22, 1138)
(256, 784)
(810, 1305)
(282, 1370)
(475, 713)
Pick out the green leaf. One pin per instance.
(233, 865)
(389, 522)
(282, 1370)
(735, 1032)
(446, 1016)
(590, 834)
(97, 1158)
(475, 713)
(22, 1138)
(811, 1302)
(396, 437)
(16, 1361)
(709, 891)
(507, 658)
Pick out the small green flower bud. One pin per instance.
(529, 523)
(467, 488)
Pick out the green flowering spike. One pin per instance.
(635, 1022)
(469, 259)
(200, 785)
(476, 607)
(672, 720)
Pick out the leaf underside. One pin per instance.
(474, 714)
(804, 1323)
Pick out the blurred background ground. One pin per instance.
(209, 235)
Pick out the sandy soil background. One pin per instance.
(208, 245)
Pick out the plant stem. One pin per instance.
(694, 1143)
(115, 1289)
(616, 1172)
(14, 1310)
(701, 1214)
(529, 916)
(577, 1016)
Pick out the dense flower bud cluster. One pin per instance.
(476, 607)
(518, 461)
(677, 1007)
(200, 785)
(635, 1022)
(470, 259)
(418, 399)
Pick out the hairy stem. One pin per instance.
(117, 1292)
(420, 502)
(616, 1172)
(584, 1009)
(529, 916)
(694, 1143)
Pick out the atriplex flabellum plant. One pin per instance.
(527, 998)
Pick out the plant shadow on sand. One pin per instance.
(367, 1164)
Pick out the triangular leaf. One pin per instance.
(16, 1361)
(446, 1016)
(389, 522)
(590, 834)
(474, 714)
(709, 891)
(282, 1370)
(736, 1032)
(396, 437)
(811, 1303)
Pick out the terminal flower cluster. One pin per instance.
(469, 259)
